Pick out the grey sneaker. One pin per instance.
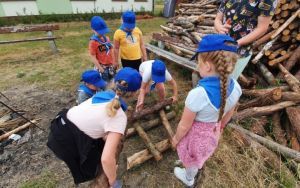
(180, 173)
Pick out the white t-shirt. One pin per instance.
(146, 71)
(93, 120)
(198, 101)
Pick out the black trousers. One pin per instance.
(135, 64)
(81, 153)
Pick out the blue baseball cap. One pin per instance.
(131, 76)
(215, 42)
(128, 18)
(93, 77)
(158, 71)
(99, 25)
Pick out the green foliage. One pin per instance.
(38, 19)
(20, 74)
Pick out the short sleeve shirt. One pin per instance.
(99, 50)
(93, 120)
(146, 71)
(130, 48)
(198, 101)
(243, 17)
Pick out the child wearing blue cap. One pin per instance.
(128, 42)
(86, 137)
(101, 49)
(92, 83)
(208, 107)
(155, 74)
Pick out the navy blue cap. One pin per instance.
(216, 42)
(128, 18)
(131, 76)
(93, 77)
(158, 71)
(99, 25)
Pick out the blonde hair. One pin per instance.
(113, 107)
(224, 62)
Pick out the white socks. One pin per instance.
(187, 176)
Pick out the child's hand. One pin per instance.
(101, 70)
(223, 29)
(139, 106)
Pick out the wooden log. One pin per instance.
(279, 60)
(175, 50)
(260, 92)
(144, 155)
(285, 38)
(291, 96)
(278, 132)
(293, 114)
(207, 22)
(286, 72)
(267, 98)
(157, 155)
(293, 25)
(293, 59)
(287, 22)
(259, 111)
(268, 53)
(257, 126)
(150, 124)
(150, 110)
(275, 25)
(196, 36)
(263, 39)
(262, 51)
(29, 40)
(186, 39)
(26, 125)
(170, 30)
(245, 82)
(186, 51)
(275, 53)
(286, 32)
(298, 37)
(291, 135)
(166, 125)
(293, 5)
(297, 75)
(284, 13)
(269, 144)
(267, 74)
(290, 79)
(29, 28)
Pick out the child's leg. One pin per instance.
(160, 88)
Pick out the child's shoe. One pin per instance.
(180, 173)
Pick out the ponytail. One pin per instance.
(113, 107)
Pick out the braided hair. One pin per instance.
(224, 62)
(114, 105)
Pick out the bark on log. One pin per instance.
(260, 92)
(286, 72)
(29, 28)
(269, 144)
(275, 53)
(263, 39)
(245, 82)
(157, 155)
(267, 74)
(257, 126)
(294, 58)
(150, 124)
(279, 60)
(278, 132)
(297, 75)
(291, 96)
(26, 125)
(259, 111)
(294, 117)
(144, 155)
(150, 110)
(166, 124)
(266, 99)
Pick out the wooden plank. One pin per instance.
(29, 28)
(172, 57)
(28, 40)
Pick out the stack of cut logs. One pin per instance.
(274, 111)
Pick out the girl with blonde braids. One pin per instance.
(208, 107)
(86, 136)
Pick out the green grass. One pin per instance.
(34, 63)
(46, 180)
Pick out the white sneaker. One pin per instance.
(180, 173)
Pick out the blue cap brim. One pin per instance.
(100, 84)
(128, 25)
(158, 79)
(103, 31)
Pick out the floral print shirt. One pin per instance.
(243, 15)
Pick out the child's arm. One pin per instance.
(116, 51)
(227, 118)
(262, 27)
(184, 125)
(96, 63)
(143, 49)
(141, 98)
(92, 51)
(175, 90)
